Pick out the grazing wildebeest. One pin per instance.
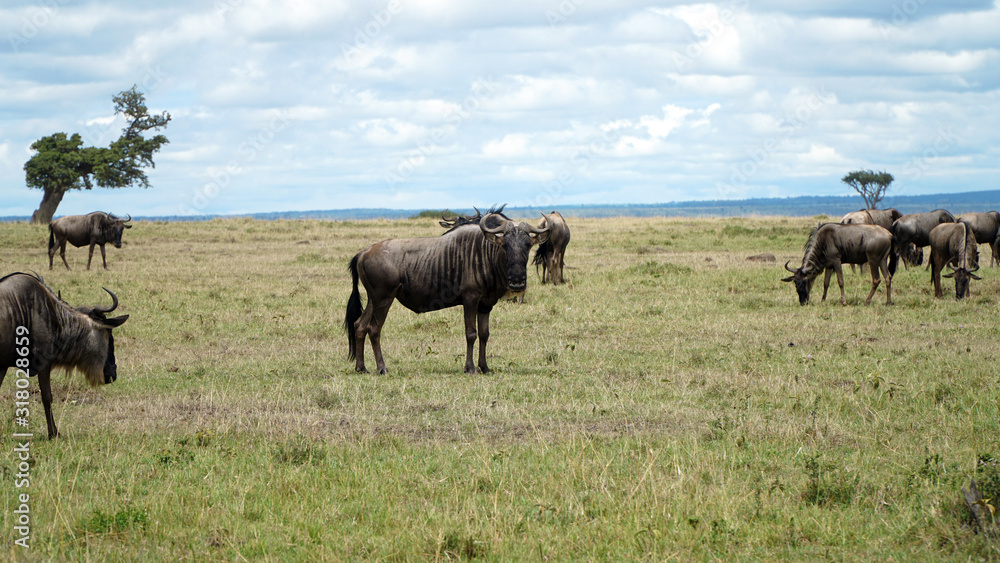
(474, 264)
(911, 233)
(833, 244)
(36, 324)
(954, 243)
(986, 226)
(97, 228)
(550, 255)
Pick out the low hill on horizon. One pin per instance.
(800, 206)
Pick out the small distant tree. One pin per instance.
(872, 186)
(61, 163)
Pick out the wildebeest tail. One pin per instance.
(354, 309)
(52, 238)
(540, 253)
(893, 257)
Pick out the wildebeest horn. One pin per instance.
(789, 269)
(492, 230)
(114, 303)
(129, 218)
(539, 230)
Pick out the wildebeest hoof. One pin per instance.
(361, 370)
(382, 371)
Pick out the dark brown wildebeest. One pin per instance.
(474, 264)
(97, 228)
(954, 243)
(551, 254)
(37, 325)
(911, 233)
(833, 244)
(986, 226)
(881, 217)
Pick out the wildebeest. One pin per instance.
(54, 334)
(881, 217)
(475, 263)
(550, 255)
(833, 244)
(911, 233)
(954, 243)
(986, 226)
(97, 228)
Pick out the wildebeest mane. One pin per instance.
(462, 220)
(809, 247)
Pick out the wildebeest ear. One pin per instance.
(789, 278)
(495, 238)
(127, 226)
(974, 276)
(115, 322)
(951, 275)
(539, 238)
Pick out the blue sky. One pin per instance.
(425, 104)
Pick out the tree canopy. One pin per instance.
(872, 186)
(61, 163)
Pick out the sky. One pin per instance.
(431, 104)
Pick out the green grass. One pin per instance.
(672, 402)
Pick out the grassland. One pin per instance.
(673, 402)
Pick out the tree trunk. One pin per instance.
(47, 208)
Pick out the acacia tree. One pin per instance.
(872, 186)
(61, 163)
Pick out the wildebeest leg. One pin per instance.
(62, 253)
(826, 283)
(91, 256)
(483, 320)
(936, 274)
(840, 282)
(557, 267)
(875, 267)
(370, 325)
(471, 316)
(45, 386)
(888, 281)
(103, 258)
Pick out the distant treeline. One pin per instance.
(804, 206)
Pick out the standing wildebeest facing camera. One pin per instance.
(911, 233)
(954, 243)
(986, 227)
(474, 264)
(54, 335)
(97, 228)
(833, 244)
(551, 254)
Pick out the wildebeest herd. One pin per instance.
(879, 238)
(479, 260)
(475, 263)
